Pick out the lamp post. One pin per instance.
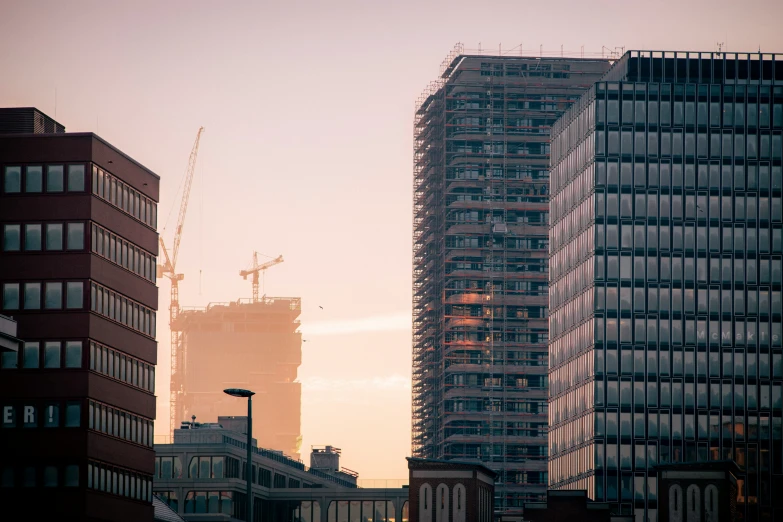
(238, 392)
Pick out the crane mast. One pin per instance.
(255, 269)
(169, 270)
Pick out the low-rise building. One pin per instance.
(201, 475)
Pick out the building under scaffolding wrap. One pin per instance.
(243, 344)
(480, 246)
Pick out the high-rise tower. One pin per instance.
(481, 193)
(665, 278)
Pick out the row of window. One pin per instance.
(689, 396)
(688, 363)
(701, 239)
(499, 357)
(206, 467)
(56, 354)
(118, 481)
(677, 177)
(117, 308)
(38, 236)
(689, 113)
(124, 197)
(511, 172)
(698, 332)
(122, 252)
(56, 295)
(169, 468)
(511, 406)
(701, 301)
(121, 424)
(44, 414)
(676, 144)
(644, 208)
(34, 181)
(47, 476)
(125, 368)
(657, 361)
(627, 268)
(206, 502)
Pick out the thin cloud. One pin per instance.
(378, 323)
(387, 383)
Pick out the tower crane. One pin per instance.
(256, 268)
(169, 270)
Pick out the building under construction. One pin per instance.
(253, 344)
(480, 246)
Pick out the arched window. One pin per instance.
(442, 508)
(458, 496)
(425, 503)
(693, 503)
(675, 503)
(711, 503)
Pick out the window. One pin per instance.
(54, 236)
(50, 477)
(51, 354)
(75, 296)
(7, 477)
(12, 241)
(73, 354)
(30, 355)
(73, 414)
(33, 179)
(9, 360)
(53, 297)
(32, 237)
(71, 476)
(13, 180)
(32, 296)
(120, 195)
(75, 178)
(75, 236)
(28, 477)
(54, 178)
(11, 296)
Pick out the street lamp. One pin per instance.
(239, 392)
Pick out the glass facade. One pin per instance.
(665, 277)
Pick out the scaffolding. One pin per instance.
(480, 272)
(243, 344)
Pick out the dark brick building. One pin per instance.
(446, 491)
(566, 506)
(78, 244)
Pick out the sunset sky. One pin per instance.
(308, 111)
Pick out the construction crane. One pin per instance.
(169, 270)
(256, 268)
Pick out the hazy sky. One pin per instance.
(308, 110)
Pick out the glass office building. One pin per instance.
(665, 277)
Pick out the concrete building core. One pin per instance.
(249, 345)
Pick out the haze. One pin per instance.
(308, 110)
